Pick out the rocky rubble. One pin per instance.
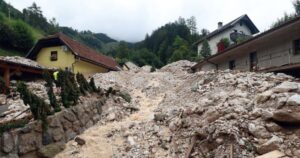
(16, 109)
(175, 113)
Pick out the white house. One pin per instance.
(242, 26)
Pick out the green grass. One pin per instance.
(7, 52)
(37, 34)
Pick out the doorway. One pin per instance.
(253, 61)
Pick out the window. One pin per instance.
(53, 56)
(232, 64)
(297, 46)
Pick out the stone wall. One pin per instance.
(62, 127)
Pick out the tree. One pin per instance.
(50, 92)
(181, 50)
(181, 21)
(83, 84)
(282, 20)
(287, 17)
(54, 26)
(296, 5)
(93, 85)
(38, 107)
(123, 50)
(6, 35)
(192, 25)
(34, 16)
(69, 88)
(204, 32)
(205, 50)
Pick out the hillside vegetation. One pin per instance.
(172, 42)
(20, 30)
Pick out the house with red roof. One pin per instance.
(62, 52)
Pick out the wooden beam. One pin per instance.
(7, 77)
(22, 68)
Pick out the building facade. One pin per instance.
(61, 52)
(242, 26)
(277, 49)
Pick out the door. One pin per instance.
(253, 61)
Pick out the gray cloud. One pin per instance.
(130, 20)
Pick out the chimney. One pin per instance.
(220, 24)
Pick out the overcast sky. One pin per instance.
(130, 20)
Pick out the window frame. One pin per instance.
(232, 65)
(53, 56)
(296, 46)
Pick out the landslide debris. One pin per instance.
(203, 114)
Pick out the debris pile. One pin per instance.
(175, 113)
(212, 114)
(13, 107)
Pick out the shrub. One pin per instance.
(39, 109)
(69, 88)
(51, 95)
(152, 69)
(226, 42)
(93, 85)
(223, 44)
(12, 125)
(84, 86)
(6, 35)
(110, 91)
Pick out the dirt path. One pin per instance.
(98, 144)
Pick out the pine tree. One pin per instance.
(296, 5)
(51, 95)
(83, 84)
(38, 107)
(205, 50)
(69, 88)
(192, 25)
(93, 85)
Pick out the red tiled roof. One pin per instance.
(87, 53)
(83, 52)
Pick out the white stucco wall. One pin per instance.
(274, 55)
(226, 34)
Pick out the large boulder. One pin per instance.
(7, 142)
(270, 145)
(263, 97)
(258, 131)
(29, 142)
(294, 100)
(272, 154)
(284, 116)
(51, 150)
(286, 87)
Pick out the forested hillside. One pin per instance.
(169, 43)
(20, 30)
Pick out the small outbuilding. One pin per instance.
(19, 67)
